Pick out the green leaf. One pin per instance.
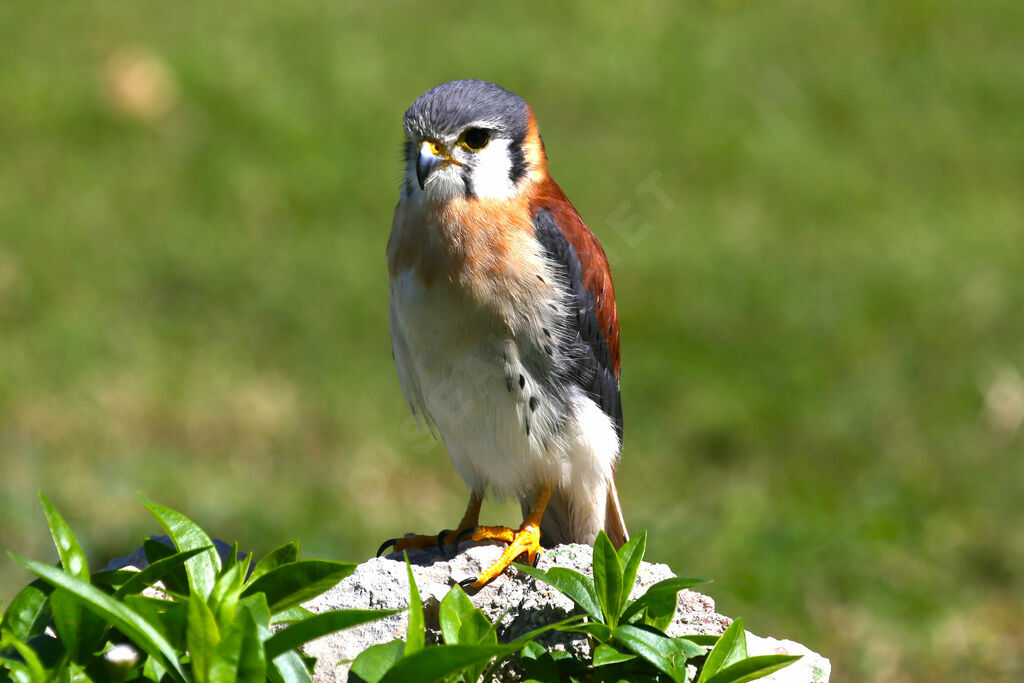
(375, 661)
(67, 619)
(705, 639)
(48, 648)
(257, 605)
(416, 631)
(240, 655)
(435, 663)
(320, 625)
(291, 614)
(291, 584)
(134, 627)
(288, 668)
(176, 580)
(284, 555)
(29, 611)
(152, 670)
(630, 555)
(659, 596)
(606, 654)
(462, 623)
(451, 613)
(666, 654)
(73, 626)
(226, 592)
(72, 558)
(170, 619)
(30, 664)
(252, 664)
(730, 648)
(540, 665)
(202, 637)
(533, 650)
(752, 668)
(572, 584)
(111, 577)
(607, 578)
(202, 569)
(602, 633)
(224, 657)
(232, 559)
(149, 575)
(567, 624)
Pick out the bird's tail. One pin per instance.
(564, 522)
(614, 523)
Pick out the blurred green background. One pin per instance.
(814, 212)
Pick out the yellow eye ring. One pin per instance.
(475, 139)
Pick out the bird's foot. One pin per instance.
(447, 537)
(525, 541)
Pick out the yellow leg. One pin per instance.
(524, 541)
(446, 537)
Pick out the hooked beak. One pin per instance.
(431, 156)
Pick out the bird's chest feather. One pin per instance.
(473, 315)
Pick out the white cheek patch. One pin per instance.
(489, 175)
(490, 171)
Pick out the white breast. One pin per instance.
(461, 370)
(491, 385)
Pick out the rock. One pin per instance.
(521, 602)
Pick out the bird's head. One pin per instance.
(470, 139)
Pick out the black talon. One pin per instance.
(385, 544)
(466, 584)
(468, 531)
(536, 559)
(440, 544)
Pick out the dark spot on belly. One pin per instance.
(522, 381)
(547, 333)
(527, 427)
(508, 383)
(547, 349)
(533, 403)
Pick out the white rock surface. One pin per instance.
(526, 604)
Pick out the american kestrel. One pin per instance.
(503, 323)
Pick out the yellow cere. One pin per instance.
(434, 147)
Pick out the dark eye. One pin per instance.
(476, 138)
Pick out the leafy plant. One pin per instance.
(628, 635)
(191, 616)
(470, 644)
(188, 616)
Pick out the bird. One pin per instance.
(504, 327)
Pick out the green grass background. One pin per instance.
(815, 214)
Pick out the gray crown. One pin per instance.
(446, 109)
